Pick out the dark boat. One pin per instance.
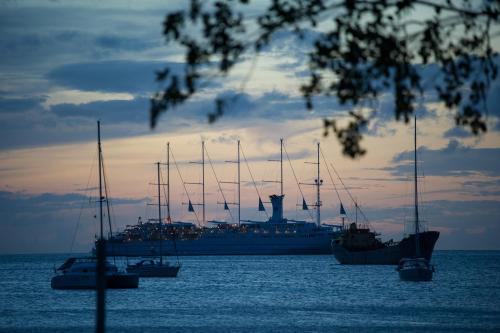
(360, 246)
(416, 268)
(153, 268)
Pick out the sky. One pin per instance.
(66, 64)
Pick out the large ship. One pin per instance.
(361, 246)
(276, 236)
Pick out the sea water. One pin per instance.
(262, 294)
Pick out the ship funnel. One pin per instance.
(277, 202)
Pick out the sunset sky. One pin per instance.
(64, 65)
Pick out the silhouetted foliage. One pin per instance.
(368, 47)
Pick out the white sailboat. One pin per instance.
(417, 268)
(81, 273)
(152, 267)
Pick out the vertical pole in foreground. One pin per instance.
(168, 183)
(318, 198)
(101, 251)
(239, 186)
(203, 177)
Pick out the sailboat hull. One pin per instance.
(390, 254)
(415, 275)
(88, 281)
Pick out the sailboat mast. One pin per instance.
(99, 153)
(281, 165)
(159, 209)
(417, 222)
(203, 177)
(101, 251)
(239, 186)
(318, 198)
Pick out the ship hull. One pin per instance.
(389, 255)
(88, 281)
(230, 245)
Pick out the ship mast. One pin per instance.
(101, 250)
(281, 165)
(417, 227)
(318, 198)
(202, 183)
(99, 153)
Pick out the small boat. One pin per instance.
(416, 268)
(151, 267)
(82, 273)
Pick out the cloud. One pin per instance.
(39, 35)
(454, 159)
(9, 105)
(493, 100)
(114, 111)
(15, 202)
(40, 127)
(224, 138)
(33, 124)
(490, 187)
(126, 76)
(47, 222)
(121, 43)
(457, 132)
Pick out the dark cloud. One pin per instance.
(8, 105)
(121, 43)
(457, 132)
(47, 222)
(40, 127)
(490, 187)
(136, 77)
(114, 111)
(12, 202)
(454, 159)
(37, 37)
(494, 97)
(275, 106)
(33, 125)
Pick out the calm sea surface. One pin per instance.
(263, 294)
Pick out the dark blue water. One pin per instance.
(263, 294)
